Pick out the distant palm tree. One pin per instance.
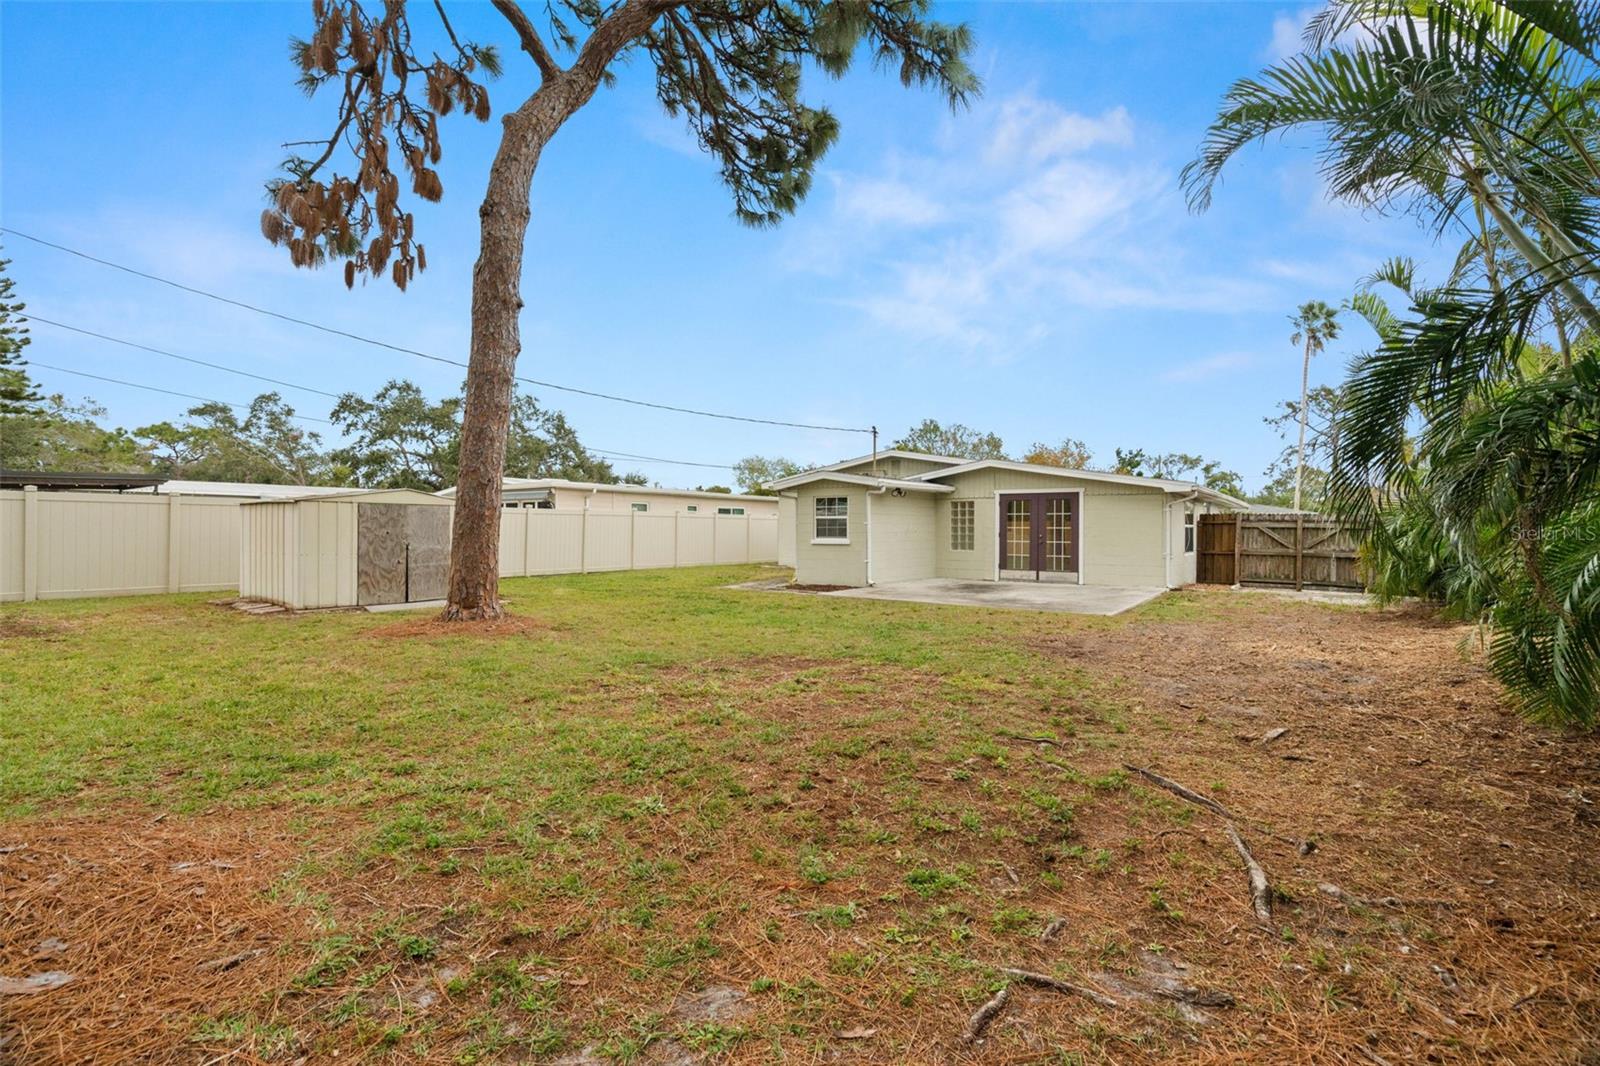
(1315, 325)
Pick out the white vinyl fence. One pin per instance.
(57, 545)
(572, 542)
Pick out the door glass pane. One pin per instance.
(1019, 535)
(1058, 535)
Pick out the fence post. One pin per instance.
(633, 535)
(677, 520)
(583, 540)
(714, 525)
(1238, 547)
(527, 540)
(747, 536)
(30, 542)
(1299, 551)
(174, 543)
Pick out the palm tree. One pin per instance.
(1470, 448)
(1314, 326)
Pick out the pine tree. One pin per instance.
(18, 393)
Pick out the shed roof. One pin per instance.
(516, 484)
(382, 496)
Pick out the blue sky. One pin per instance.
(1027, 266)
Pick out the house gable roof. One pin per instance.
(825, 474)
(1164, 484)
(891, 453)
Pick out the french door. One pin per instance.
(1039, 536)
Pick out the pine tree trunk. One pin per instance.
(496, 342)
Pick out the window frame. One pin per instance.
(734, 511)
(692, 508)
(963, 525)
(641, 508)
(840, 515)
(1188, 529)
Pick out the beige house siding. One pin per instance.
(786, 529)
(1122, 527)
(830, 564)
(902, 537)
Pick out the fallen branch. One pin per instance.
(1178, 790)
(986, 1014)
(1260, 889)
(1056, 984)
(229, 962)
(1053, 742)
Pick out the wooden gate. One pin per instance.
(1277, 551)
(402, 552)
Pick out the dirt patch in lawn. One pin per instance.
(511, 625)
(138, 927)
(15, 625)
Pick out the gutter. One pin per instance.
(879, 491)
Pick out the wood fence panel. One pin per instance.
(1278, 551)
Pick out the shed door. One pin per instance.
(402, 552)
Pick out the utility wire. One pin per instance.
(658, 459)
(174, 355)
(169, 392)
(421, 355)
(607, 454)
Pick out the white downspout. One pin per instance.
(879, 491)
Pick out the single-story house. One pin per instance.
(558, 494)
(901, 516)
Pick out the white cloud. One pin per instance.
(1208, 367)
(1288, 34)
(886, 201)
(1027, 129)
(989, 252)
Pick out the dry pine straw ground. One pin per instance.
(844, 850)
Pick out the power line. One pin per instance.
(658, 459)
(607, 454)
(169, 392)
(174, 355)
(422, 355)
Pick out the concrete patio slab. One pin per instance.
(1012, 595)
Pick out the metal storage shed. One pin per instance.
(345, 550)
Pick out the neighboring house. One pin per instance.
(556, 494)
(900, 516)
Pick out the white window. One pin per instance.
(831, 520)
(692, 508)
(963, 525)
(730, 510)
(641, 507)
(1188, 530)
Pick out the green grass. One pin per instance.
(667, 783)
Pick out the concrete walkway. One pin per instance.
(1015, 595)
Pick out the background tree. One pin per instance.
(60, 435)
(1324, 405)
(754, 472)
(265, 447)
(955, 440)
(714, 488)
(1315, 324)
(399, 439)
(18, 394)
(1179, 466)
(731, 68)
(1070, 453)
